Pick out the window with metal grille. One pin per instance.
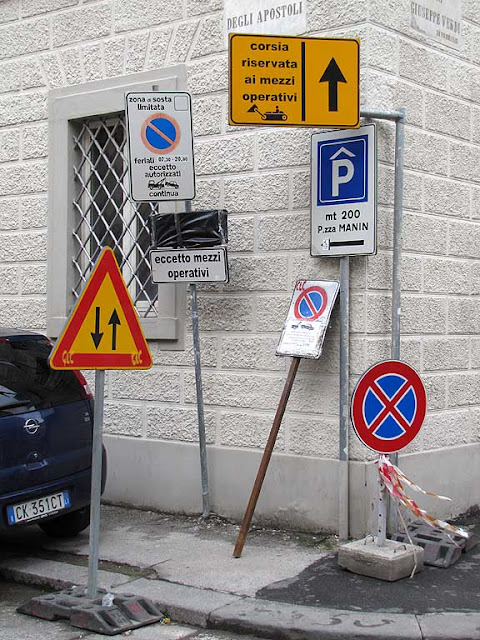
(90, 207)
(106, 216)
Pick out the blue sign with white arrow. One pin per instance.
(344, 192)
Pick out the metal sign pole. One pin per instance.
(343, 479)
(200, 408)
(96, 486)
(382, 514)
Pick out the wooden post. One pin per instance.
(267, 454)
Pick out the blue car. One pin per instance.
(46, 421)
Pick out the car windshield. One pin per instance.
(28, 382)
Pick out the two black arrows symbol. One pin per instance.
(97, 335)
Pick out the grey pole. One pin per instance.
(96, 486)
(200, 409)
(343, 479)
(199, 388)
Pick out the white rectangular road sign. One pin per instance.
(307, 319)
(343, 198)
(160, 143)
(189, 265)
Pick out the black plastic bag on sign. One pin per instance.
(195, 229)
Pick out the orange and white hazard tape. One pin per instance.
(393, 479)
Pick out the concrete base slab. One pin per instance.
(393, 561)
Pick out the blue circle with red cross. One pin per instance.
(388, 406)
(310, 304)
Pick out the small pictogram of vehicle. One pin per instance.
(268, 115)
(161, 184)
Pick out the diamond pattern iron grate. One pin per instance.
(105, 214)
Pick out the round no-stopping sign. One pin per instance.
(310, 304)
(160, 133)
(388, 406)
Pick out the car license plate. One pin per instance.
(34, 509)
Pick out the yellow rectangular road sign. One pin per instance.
(292, 81)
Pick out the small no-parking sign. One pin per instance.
(160, 143)
(307, 319)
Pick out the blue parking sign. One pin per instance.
(343, 171)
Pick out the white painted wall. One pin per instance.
(261, 176)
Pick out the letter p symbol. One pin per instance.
(342, 172)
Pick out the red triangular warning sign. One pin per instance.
(103, 330)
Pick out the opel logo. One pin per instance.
(31, 426)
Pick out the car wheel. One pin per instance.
(67, 526)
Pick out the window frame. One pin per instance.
(66, 105)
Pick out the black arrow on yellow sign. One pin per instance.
(333, 76)
(114, 321)
(97, 336)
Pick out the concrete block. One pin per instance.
(339, 14)
(87, 23)
(266, 192)
(463, 316)
(424, 151)
(15, 109)
(207, 116)
(9, 213)
(465, 161)
(448, 197)
(382, 49)
(160, 386)
(278, 233)
(182, 41)
(379, 272)
(283, 148)
(391, 562)
(240, 233)
(446, 353)
(208, 195)
(29, 313)
(224, 313)
(378, 349)
(241, 429)
(257, 274)
(28, 8)
(305, 267)
(208, 76)
(25, 247)
(35, 141)
(211, 38)
(33, 279)
(254, 352)
(447, 115)
(10, 75)
(124, 419)
(9, 145)
(32, 75)
(422, 65)
(463, 80)
(114, 50)
(231, 154)
(135, 14)
(264, 319)
(424, 234)
(301, 190)
(70, 61)
(9, 10)
(250, 391)
(34, 211)
(135, 52)
(475, 204)
(8, 280)
(463, 388)
(198, 7)
(92, 61)
(378, 313)
(168, 423)
(23, 37)
(312, 436)
(315, 394)
(446, 276)
(387, 92)
(185, 357)
(436, 390)
(52, 70)
(159, 41)
(424, 314)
